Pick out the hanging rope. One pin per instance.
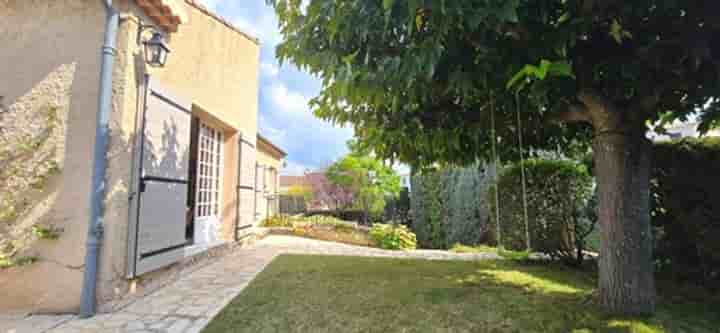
(522, 171)
(495, 172)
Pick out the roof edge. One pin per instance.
(199, 6)
(272, 145)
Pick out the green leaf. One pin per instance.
(561, 68)
(509, 11)
(387, 6)
(521, 74)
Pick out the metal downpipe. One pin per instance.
(88, 298)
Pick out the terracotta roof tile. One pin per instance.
(293, 180)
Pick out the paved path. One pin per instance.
(188, 304)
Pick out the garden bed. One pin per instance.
(322, 228)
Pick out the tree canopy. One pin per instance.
(370, 181)
(417, 78)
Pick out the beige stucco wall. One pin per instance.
(50, 51)
(267, 204)
(211, 65)
(50, 55)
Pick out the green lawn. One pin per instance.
(349, 294)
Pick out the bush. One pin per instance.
(393, 237)
(352, 215)
(559, 207)
(448, 206)
(397, 209)
(685, 211)
(282, 221)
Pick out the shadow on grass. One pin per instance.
(348, 294)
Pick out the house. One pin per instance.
(287, 182)
(325, 195)
(267, 187)
(184, 173)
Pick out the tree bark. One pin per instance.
(622, 163)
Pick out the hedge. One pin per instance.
(685, 209)
(559, 219)
(448, 206)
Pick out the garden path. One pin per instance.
(188, 304)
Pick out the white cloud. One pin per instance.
(287, 101)
(277, 135)
(269, 69)
(212, 4)
(264, 27)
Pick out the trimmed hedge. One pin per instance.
(448, 206)
(558, 194)
(685, 209)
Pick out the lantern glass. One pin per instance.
(156, 51)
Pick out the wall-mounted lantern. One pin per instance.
(156, 50)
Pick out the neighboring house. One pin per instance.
(267, 187)
(183, 170)
(325, 196)
(288, 182)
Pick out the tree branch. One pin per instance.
(574, 113)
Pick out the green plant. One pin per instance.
(393, 237)
(368, 179)
(44, 232)
(507, 254)
(449, 206)
(427, 204)
(558, 193)
(21, 261)
(278, 221)
(685, 212)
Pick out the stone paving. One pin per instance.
(188, 304)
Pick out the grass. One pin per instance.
(298, 293)
(507, 254)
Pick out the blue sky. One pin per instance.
(284, 115)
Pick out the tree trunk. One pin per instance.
(622, 163)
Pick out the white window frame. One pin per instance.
(210, 160)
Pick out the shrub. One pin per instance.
(397, 209)
(558, 195)
(393, 237)
(282, 221)
(507, 254)
(685, 211)
(448, 206)
(352, 215)
(427, 204)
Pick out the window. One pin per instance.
(209, 171)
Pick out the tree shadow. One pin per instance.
(535, 297)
